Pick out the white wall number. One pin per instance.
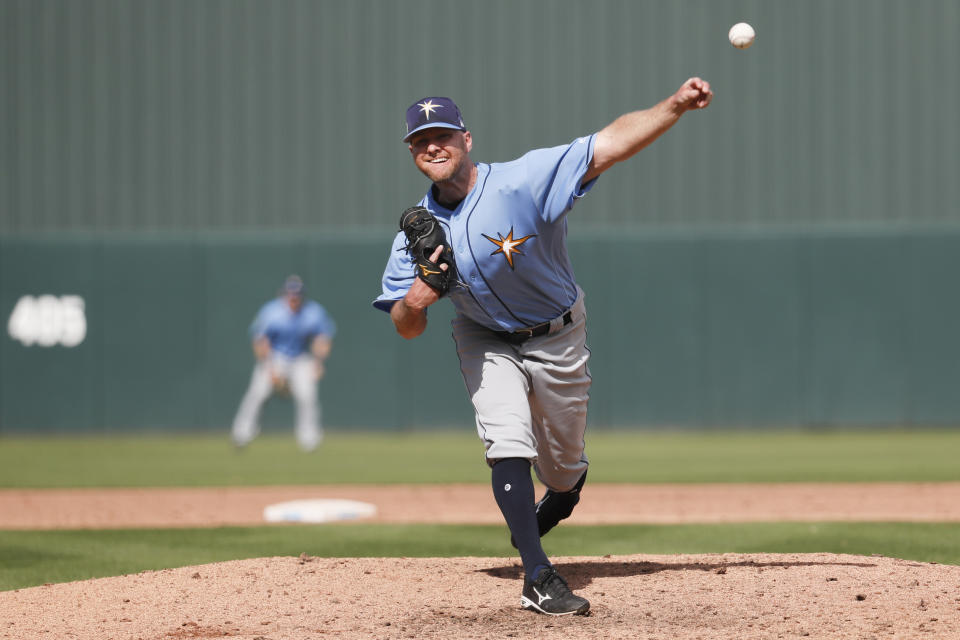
(48, 321)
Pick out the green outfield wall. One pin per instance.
(786, 257)
(715, 329)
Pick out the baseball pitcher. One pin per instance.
(492, 238)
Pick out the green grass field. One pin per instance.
(30, 558)
(445, 457)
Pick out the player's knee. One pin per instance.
(570, 500)
(492, 462)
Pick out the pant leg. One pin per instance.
(560, 390)
(498, 388)
(246, 424)
(303, 387)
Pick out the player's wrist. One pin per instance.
(676, 106)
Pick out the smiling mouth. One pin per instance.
(438, 160)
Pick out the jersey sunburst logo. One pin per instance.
(507, 245)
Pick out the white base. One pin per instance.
(318, 511)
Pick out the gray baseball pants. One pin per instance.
(530, 399)
(300, 373)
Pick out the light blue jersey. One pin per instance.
(290, 333)
(509, 240)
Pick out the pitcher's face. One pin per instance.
(441, 154)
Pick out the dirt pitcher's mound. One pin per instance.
(703, 596)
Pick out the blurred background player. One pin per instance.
(292, 337)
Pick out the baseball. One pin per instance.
(741, 35)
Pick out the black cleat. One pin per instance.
(555, 506)
(550, 594)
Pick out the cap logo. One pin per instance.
(427, 106)
(431, 112)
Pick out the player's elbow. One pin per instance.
(407, 326)
(409, 332)
(409, 323)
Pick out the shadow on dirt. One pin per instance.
(580, 574)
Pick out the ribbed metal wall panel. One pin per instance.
(714, 329)
(249, 114)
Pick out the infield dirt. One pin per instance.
(638, 596)
(474, 504)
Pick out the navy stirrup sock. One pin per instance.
(513, 490)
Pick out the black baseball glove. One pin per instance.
(424, 234)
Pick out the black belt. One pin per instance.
(522, 335)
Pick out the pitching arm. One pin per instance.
(633, 131)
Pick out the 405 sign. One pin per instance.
(47, 321)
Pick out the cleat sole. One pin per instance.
(530, 605)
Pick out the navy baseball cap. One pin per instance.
(433, 112)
